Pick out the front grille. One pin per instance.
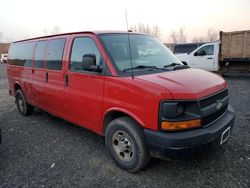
(209, 107)
(210, 100)
(209, 119)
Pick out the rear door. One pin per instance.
(203, 58)
(84, 89)
(54, 77)
(25, 53)
(39, 74)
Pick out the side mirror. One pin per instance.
(89, 63)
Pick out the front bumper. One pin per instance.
(172, 144)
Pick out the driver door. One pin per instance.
(203, 58)
(83, 97)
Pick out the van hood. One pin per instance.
(187, 83)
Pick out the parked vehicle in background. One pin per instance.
(125, 86)
(4, 58)
(205, 57)
(232, 53)
(185, 48)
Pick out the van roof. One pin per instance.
(80, 32)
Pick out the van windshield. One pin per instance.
(145, 54)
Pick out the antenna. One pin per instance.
(129, 47)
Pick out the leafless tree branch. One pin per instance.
(151, 30)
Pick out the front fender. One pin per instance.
(124, 111)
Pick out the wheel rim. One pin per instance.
(123, 146)
(20, 103)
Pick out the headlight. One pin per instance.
(179, 115)
(172, 110)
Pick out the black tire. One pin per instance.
(23, 107)
(136, 157)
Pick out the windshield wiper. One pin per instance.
(143, 67)
(176, 66)
(172, 65)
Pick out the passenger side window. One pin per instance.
(82, 46)
(206, 50)
(55, 54)
(21, 54)
(40, 54)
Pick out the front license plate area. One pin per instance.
(225, 135)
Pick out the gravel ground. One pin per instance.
(45, 151)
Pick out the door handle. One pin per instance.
(67, 80)
(47, 77)
(209, 58)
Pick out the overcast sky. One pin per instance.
(28, 18)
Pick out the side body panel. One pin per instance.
(83, 95)
(135, 97)
(84, 91)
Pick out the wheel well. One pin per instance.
(110, 116)
(16, 87)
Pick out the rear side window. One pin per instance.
(40, 54)
(82, 46)
(55, 54)
(20, 54)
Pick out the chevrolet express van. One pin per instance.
(125, 86)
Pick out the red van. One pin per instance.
(125, 86)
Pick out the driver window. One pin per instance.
(206, 50)
(82, 46)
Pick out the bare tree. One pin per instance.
(182, 35)
(198, 39)
(174, 36)
(179, 36)
(55, 30)
(156, 31)
(9, 39)
(151, 30)
(212, 34)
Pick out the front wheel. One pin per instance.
(125, 142)
(23, 107)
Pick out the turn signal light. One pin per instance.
(180, 125)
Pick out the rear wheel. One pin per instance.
(23, 107)
(126, 143)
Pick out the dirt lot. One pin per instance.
(45, 151)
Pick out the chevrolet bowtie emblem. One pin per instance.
(219, 104)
